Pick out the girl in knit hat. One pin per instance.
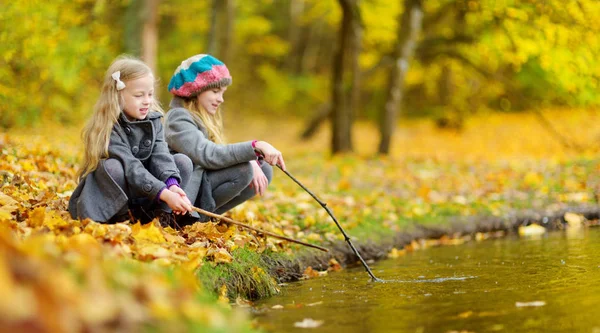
(127, 164)
(224, 175)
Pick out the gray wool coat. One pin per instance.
(141, 149)
(184, 136)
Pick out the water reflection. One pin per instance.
(474, 287)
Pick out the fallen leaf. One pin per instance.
(532, 230)
(309, 272)
(308, 323)
(334, 265)
(147, 232)
(395, 253)
(532, 304)
(574, 220)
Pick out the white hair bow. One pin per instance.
(117, 77)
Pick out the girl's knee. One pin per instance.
(115, 170)
(184, 164)
(246, 172)
(267, 170)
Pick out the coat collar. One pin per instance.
(176, 102)
(151, 116)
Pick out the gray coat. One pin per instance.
(147, 163)
(184, 136)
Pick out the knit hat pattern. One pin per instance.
(197, 74)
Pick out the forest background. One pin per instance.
(370, 60)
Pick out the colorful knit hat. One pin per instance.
(197, 74)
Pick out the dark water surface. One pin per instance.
(549, 284)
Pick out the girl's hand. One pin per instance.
(178, 190)
(176, 202)
(259, 180)
(271, 155)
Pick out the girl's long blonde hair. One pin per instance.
(212, 123)
(96, 133)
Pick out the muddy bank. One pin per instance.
(291, 270)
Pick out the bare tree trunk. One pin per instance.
(353, 96)
(341, 136)
(226, 49)
(133, 25)
(150, 34)
(295, 34)
(409, 27)
(315, 39)
(211, 47)
(323, 113)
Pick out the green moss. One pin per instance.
(247, 276)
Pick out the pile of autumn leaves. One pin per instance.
(59, 274)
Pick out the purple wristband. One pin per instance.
(254, 147)
(172, 181)
(169, 182)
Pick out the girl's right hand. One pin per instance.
(271, 155)
(178, 203)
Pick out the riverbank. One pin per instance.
(436, 188)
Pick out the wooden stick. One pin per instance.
(228, 220)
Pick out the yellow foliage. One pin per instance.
(147, 233)
(532, 230)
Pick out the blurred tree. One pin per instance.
(342, 115)
(54, 55)
(150, 34)
(220, 34)
(408, 31)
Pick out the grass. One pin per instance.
(247, 276)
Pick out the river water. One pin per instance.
(545, 284)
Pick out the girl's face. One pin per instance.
(211, 99)
(138, 96)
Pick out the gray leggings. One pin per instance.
(231, 186)
(115, 169)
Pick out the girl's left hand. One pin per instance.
(259, 180)
(178, 190)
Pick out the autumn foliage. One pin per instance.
(58, 273)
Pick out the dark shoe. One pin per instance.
(166, 219)
(187, 219)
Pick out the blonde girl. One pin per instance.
(224, 175)
(127, 168)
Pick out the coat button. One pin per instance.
(147, 187)
(135, 149)
(147, 143)
(127, 130)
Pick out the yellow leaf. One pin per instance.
(344, 184)
(83, 243)
(395, 253)
(532, 230)
(574, 220)
(334, 265)
(148, 232)
(532, 179)
(222, 256)
(152, 251)
(8, 205)
(309, 272)
(36, 218)
(223, 298)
